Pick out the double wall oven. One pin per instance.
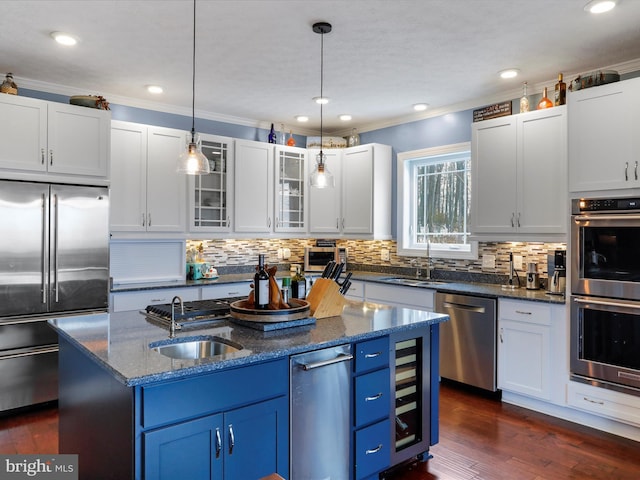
(605, 293)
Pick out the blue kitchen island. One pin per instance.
(130, 411)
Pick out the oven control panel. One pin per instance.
(604, 205)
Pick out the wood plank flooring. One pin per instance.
(480, 439)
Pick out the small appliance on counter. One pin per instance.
(316, 258)
(533, 280)
(557, 270)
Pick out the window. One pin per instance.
(433, 202)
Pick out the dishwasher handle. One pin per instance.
(343, 357)
(462, 306)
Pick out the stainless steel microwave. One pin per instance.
(316, 258)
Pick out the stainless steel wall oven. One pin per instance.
(605, 287)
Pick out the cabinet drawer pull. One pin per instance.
(374, 450)
(372, 355)
(597, 402)
(521, 312)
(232, 439)
(218, 443)
(373, 397)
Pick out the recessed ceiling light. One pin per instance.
(345, 117)
(155, 89)
(321, 100)
(302, 118)
(420, 107)
(509, 73)
(600, 6)
(65, 39)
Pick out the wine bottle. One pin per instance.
(560, 94)
(261, 285)
(272, 135)
(291, 142)
(299, 285)
(544, 101)
(524, 100)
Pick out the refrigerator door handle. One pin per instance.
(43, 245)
(55, 246)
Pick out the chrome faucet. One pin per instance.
(172, 328)
(416, 263)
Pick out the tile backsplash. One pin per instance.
(365, 254)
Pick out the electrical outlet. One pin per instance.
(517, 262)
(488, 261)
(280, 253)
(286, 253)
(384, 255)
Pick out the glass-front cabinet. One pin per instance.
(210, 196)
(291, 189)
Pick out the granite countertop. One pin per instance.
(120, 341)
(448, 286)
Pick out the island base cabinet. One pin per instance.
(372, 450)
(242, 443)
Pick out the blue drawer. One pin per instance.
(192, 397)
(372, 449)
(372, 354)
(372, 400)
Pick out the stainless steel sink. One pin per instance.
(412, 282)
(195, 348)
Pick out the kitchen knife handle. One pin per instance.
(232, 439)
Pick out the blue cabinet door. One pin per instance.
(256, 441)
(186, 450)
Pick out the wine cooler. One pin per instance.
(415, 409)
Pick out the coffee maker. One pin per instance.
(557, 270)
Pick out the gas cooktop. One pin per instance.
(193, 313)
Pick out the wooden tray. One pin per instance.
(243, 310)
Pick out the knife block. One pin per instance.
(325, 299)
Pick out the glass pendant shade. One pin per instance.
(192, 161)
(321, 177)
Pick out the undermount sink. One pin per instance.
(412, 282)
(191, 348)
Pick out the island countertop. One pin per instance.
(120, 341)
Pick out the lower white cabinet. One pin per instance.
(225, 290)
(605, 403)
(138, 300)
(422, 298)
(532, 350)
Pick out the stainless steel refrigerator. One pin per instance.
(54, 259)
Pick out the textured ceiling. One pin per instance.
(258, 61)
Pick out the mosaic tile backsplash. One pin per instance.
(231, 256)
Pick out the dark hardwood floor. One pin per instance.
(480, 438)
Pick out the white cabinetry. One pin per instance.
(146, 192)
(138, 300)
(519, 174)
(422, 298)
(532, 353)
(363, 182)
(604, 145)
(225, 290)
(210, 195)
(605, 403)
(59, 141)
(291, 184)
(253, 187)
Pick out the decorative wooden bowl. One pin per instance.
(243, 310)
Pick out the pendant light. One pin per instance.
(321, 177)
(192, 161)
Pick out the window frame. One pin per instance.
(404, 210)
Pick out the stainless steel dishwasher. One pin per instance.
(468, 339)
(320, 402)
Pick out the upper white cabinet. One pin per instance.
(291, 184)
(56, 140)
(362, 195)
(210, 196)
(519, 174)
(146, 192)
(253, 187)
(325, 203)
(604, 145)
